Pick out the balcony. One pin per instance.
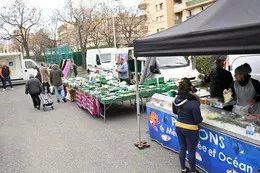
(179, 7)
(142, 6)
(195, 2)
(178, 21)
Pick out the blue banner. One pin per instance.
(216, 152)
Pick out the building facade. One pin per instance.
(163, 14)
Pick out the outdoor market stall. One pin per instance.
(97, 92)
(217, 30)
(227, 140)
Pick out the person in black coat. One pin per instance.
(219, 79)
(34, 88)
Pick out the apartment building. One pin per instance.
(163, 14)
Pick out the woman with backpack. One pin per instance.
(187, 107)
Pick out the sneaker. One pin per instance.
(58, 100)
(3, 89)
(12, 89)
(38, 107)
(64, 100)
(186, 170)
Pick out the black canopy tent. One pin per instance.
(226, 27)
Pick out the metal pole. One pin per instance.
(140, 144)
(113, 22)
(137, 99)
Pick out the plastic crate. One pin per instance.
(160, 80)
(150, 81)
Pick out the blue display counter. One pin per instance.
(219, 150)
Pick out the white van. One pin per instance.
(176, 67)
(233, 61)
(173, 68)
(21, 68)
(101, 59)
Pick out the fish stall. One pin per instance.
(228, 141)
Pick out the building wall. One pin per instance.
(174, 12)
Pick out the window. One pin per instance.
(159, 7)
(178, 2)
(105, 58)
(29, 64)
(98, 60)
(160, 19)
(192, 12)
(204, 7)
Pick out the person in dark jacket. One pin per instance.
(6, 76)
(56, 80)
(219, 79)
(246, 90)
(34, 88)
(187, 107)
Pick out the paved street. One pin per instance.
(69, 140)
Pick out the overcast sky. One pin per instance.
(47, 6)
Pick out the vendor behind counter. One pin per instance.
(219, 79)
(246, 90)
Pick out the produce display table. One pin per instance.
(97, 94)
(223, 146)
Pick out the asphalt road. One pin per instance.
(69, 140)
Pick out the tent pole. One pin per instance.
(140, 144)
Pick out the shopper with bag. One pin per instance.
(45, 78)
(34, 88)
(56, 80)
(187, 107)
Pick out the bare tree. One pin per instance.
(82, 17)
(106, 26)
(39, 41)
(17, 20)
(132, 24)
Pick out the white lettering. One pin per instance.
(173, 121)
(210, 152)
(199, 146)
(204, 148)
(214, 153)
(242, 166)
(222, 157)
(203, 134)
(161, 128)
(235, 163)
(170, 131)
(249, 169)
(229, 160)
(221, 139)
(213, 138)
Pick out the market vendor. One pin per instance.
(123, 73)
(219, 79)
(246, 90)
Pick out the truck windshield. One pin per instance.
(172, 61)
(105, 58)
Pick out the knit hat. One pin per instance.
(244, 69)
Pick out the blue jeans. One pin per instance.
(9, 81)
(59, 92)
(188, 140)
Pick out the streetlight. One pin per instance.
(113, 20)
